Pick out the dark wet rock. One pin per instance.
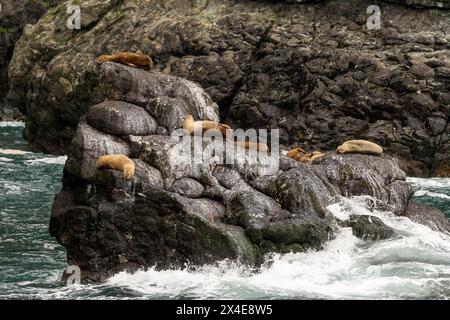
(14, 16)
(369, 227)
(89, 144)
(188, 187)
(432, 218)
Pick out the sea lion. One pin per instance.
(311, 156)
(301, 155)
(360, 146)
(136, 60)
(118, 162)
(260, 147)
(296, 153)
(195, 126)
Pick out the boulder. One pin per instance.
(369, 227)
(121, 119)
(183, 209)
(14, 16)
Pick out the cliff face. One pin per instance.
(312, 70)
(14, 15)
(176, 211)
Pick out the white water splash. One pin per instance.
(429, 187)
(429, 183)
(421, 193)
(414, 264)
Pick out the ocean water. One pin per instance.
(413, 265)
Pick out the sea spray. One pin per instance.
(413, 264)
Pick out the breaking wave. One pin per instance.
(415, 264)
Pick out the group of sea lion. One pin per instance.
(127, 166)
(302, 156)
(350, 146)
(200, 126)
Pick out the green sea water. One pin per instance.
(413, 265)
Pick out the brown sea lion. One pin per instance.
(117, 162)
(260, 147)
(296, 153)
(301, 155)
(311, 156)
(360, 146)
(136, 60)
(195, 126)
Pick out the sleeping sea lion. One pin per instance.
(360, 146)
(301, 155)
(136, 60)
(195, 126)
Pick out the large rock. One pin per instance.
(14, 15)
(177, 210)
(430, 217)
(311, 69)
(121, 119)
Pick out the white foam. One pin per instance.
(429, 183)
(12, 124)
(13, 151)
(421, 193)
(2, 159)
(414, 264)
(49, 160)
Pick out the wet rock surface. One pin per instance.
(14, 16)
(177, 212)
(430, 217)
(311, 69)
(369, 228)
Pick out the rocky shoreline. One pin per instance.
(176, 213)
(310, 69)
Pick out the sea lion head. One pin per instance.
(296, 153)
(102, 58)
(341, 149)
(188, 120)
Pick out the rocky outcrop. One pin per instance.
(177, 211)
(369, 227)
(424, 3)
(311, 69)
(427, 216)
(14, 15)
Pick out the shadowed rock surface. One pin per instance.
(311, 69)
(14, 16)
(176, 211)
(430, 217)
(369, 228)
